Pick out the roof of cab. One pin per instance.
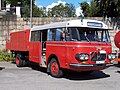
(71, 23)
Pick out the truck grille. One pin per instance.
(97, 56)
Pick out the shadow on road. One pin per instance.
(1, 68)
(36, 67)
(117, 72)
(117, 65)
(82, 76)
(72, 75)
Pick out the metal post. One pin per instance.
(31, 14)
(0, 4)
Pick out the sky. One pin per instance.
(51, 3)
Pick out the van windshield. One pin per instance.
(87, 34)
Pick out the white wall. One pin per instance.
(18, 11)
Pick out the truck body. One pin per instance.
(19, 41)
(75, 45)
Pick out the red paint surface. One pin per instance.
(19, 41)
(64, 51)
(117, 39)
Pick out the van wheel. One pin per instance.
(19, 61)
(55, 68)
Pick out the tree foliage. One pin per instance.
(25, 7)
(67, 10)
(85, 8)
(90, 10)
(13, 2)
(111, 8)
(95, 8)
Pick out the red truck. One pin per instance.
(75, 45)
(117, 43)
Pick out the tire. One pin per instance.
(54, 68)
(19, 61)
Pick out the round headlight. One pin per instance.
(81, 57)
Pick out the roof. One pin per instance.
(72, 23)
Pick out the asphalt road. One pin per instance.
(34, 78)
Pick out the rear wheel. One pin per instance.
(19, 61)
(54, 68)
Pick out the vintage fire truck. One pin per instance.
(117, 43)
(79, 45)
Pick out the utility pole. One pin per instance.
(30, 14)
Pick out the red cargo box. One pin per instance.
(19, 41)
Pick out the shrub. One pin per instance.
(5, 56)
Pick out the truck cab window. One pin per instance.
(55, 34)
(35, 36)
(51, 34)
(59, 34)
(73, 34)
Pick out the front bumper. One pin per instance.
(90, 65)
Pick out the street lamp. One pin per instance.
(30, 14)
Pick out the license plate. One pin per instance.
(100, 62)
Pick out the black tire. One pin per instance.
(54, 68)
(19, 61)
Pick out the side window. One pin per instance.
(60, 36)
(32, 36)
(55, 34)
(35, 36)
(51, 34)
(72, 34)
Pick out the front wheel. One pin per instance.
(54, 68)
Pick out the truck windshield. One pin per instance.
(87, 34)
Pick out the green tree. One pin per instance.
(93, 9)
(111, 8)
(13, 2)
(85, 7)
(39, 12)
(25, 6)
(67, 10)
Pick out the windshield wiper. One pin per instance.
(86, 37)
